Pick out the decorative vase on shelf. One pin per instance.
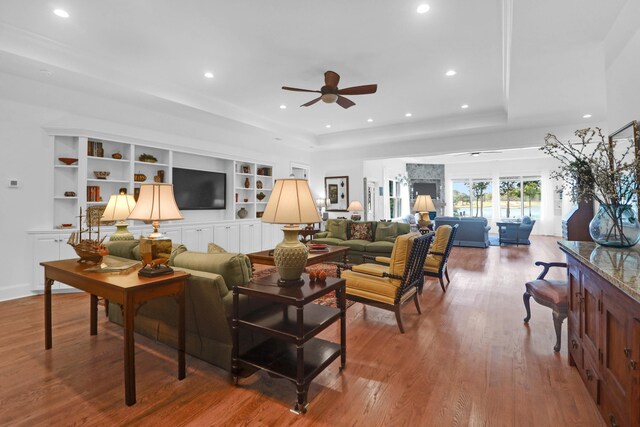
(242, 213)
(615, 226)
(247, 183)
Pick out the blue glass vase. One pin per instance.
(616, 226)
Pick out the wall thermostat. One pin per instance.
(13, 183)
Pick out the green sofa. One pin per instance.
(209, 302)
(380, 244)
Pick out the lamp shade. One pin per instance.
(355, 206)
(156, 203)
(424, 204)
(119, 207)
(291, 202)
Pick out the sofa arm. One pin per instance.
(234, 268)
(321, 235)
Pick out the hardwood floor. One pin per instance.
(467, 360)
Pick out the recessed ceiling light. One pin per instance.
(464, 106)
(450, 73)
(369, 120)
(408, 115)
(283, 107)
(587, 116)
(475, 154)
(61, 13)
(208, 75)
(327, 126)
(46, 72)
(423, 8)
(277, 138)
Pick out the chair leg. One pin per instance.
(557, 324)
(446, 273)
(399, 318)
(525, 298)
(416, 300)
(441, 282)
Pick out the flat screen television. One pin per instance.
(195, 189)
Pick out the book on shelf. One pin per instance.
(94, 148)
(93, 193)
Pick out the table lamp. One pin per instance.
(118, 209)
(424, 205)
(156, 203)
(355, 206)
(291, 204)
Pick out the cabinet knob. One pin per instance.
(589, 374)
(633, 365)
(627, 352)
(612, 419)
(574, 344)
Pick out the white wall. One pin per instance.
(26, 107)
(623, 88)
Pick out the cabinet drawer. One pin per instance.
(575, 350)
(611, 413)
(591, 377)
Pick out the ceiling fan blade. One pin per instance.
(331, 78)
(295, 89)
(359, 90)
(312, 102)
(344, 102)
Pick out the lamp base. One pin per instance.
(121, 233)
(156, 271)
(290, 257)
(356, 217)
(424, 220)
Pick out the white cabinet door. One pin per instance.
(250, 238)
(271, 235)
(190, 237)
(205, 236)
(227, 236)
(45, 248)
(234, 238)
(175, 234)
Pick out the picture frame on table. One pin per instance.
(337, 191)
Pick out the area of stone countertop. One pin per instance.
(619, 266)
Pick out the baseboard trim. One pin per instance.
(15, 292)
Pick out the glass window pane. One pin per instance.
(481, 197)
(531, 193)
(461, 198)
(510, 198)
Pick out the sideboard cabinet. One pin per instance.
(604, 327)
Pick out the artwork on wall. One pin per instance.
(337, 190)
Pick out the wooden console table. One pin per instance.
(292, 322)
(604, 327)
(126, 289)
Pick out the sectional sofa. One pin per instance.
(373, 238)
(472, 232)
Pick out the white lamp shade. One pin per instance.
(118, 208)
(291, 202)
(156, 203)
(355, 206)
(424, 204)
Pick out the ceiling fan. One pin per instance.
(330, 93)
(476, 153)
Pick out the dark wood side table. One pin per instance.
(128, 290)
(315, 257)
(292, 350)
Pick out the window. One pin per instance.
(481, 198)
(395, 201)
(531, 191)
(510, 197)
(461, 198)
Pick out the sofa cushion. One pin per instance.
(373, 269)
(439, 245)
(400, 255)
(234, 268)
(356, 245)
(337, 228)
(386, 231)
(383, 247)
(329, 241)
(380, 289)
(403, 228)
(122, 248)
(361, 231)
(212, 248)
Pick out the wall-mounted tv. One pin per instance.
(195, 189)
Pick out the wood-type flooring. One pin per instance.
(468, 360)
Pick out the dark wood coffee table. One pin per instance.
(292, 351)
(333, 253)
(128, 290)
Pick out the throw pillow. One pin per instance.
(215, 249)
(337, 229)
(386, 230)
(361, 231)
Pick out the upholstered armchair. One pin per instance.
(391, 287)
(518, 233)
(435, 264)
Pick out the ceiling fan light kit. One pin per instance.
(330, 93)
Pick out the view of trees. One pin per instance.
(478, 191)
(510, 191)
(531, 189)
(519, 196)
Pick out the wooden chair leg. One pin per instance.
(416, 300)
(557, 324)
(106, 307)
(446, 273)
(399, 318)
(442, 283)
(526, 298)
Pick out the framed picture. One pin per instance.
(337, 190)
(94, 213)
